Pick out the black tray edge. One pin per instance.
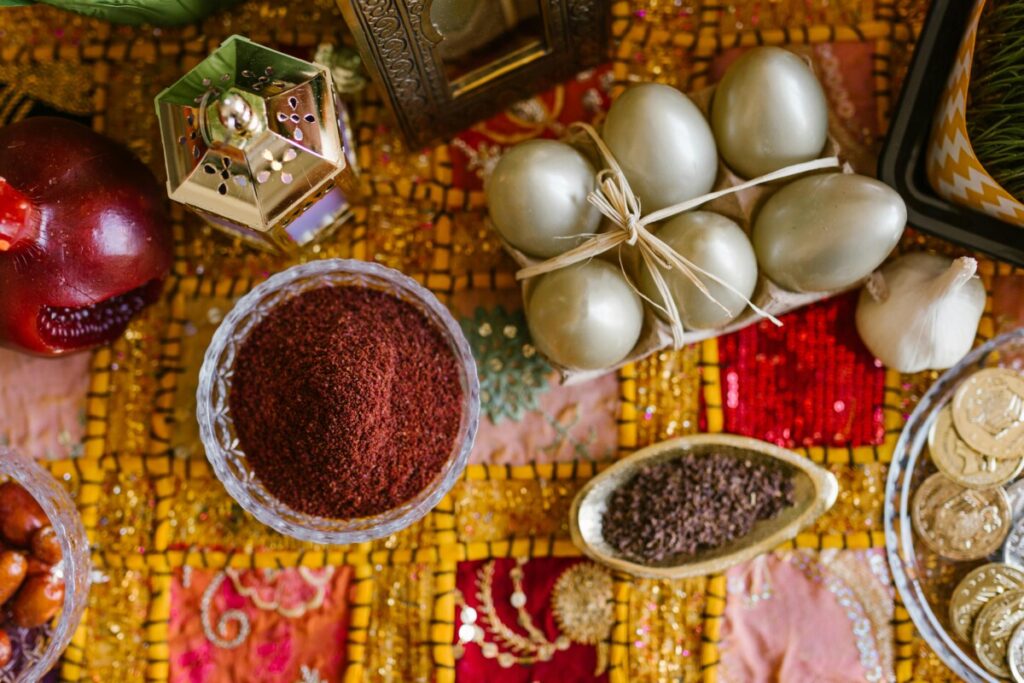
(902, 162)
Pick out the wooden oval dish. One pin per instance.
(814, 491)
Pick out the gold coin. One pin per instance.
(975, 590)
(988, 411)
(961, 463)
(993, 628)
(1015, 654)
(960, 523)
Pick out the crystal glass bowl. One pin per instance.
(60, 509)
(925, 580)
(217, 429)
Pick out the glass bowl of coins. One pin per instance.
(954, 513)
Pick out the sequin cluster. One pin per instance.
(668, 395)
(492, 510)
(665, 629)
(823, 385)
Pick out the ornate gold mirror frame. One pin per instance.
(443, 65)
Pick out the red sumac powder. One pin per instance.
(346, 401)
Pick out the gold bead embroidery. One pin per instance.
(582, 602)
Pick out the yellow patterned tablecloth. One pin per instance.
(163, 529)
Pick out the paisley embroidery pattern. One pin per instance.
(269, 590)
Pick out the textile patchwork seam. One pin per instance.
(442, 621)
(360, 602)
(97, 403)
(714, 615)
(987, 270)
(628, 418)
(906, 639)
(437, 189)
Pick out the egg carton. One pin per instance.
(740, 207)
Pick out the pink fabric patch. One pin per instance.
(285, 620)
(571, 423)
(43, 403)
(785, 619)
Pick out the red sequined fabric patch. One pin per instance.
(810, 382)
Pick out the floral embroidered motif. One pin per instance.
(482, 159)
(219, 634)
(584, 447)
(258, 625)
(272, 590)
(531, 109)
(269, 590)
(867, 605)
(583, 603)
(512, 373)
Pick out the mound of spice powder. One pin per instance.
(692, 503)
(346, 401)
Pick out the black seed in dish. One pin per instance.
(692, 503)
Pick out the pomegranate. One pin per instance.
(85, 241)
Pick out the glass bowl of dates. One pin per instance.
(697, 505)
(44, 569)
(954, 513)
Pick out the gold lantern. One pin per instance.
(257, 142)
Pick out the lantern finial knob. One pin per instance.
(237, 115)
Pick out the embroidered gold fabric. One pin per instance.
(146, 494)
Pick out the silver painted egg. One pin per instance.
(715, 244)
(663, 144)
(768, 111)
(827, 231)
(537, 197)
(584, 316)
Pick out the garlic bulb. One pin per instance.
(921, 311)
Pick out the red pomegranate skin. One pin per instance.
(85, 240)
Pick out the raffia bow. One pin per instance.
(617, 201)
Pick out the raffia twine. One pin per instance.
(616, 200)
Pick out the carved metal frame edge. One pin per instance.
(399, 52)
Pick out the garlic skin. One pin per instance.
(921, 311)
